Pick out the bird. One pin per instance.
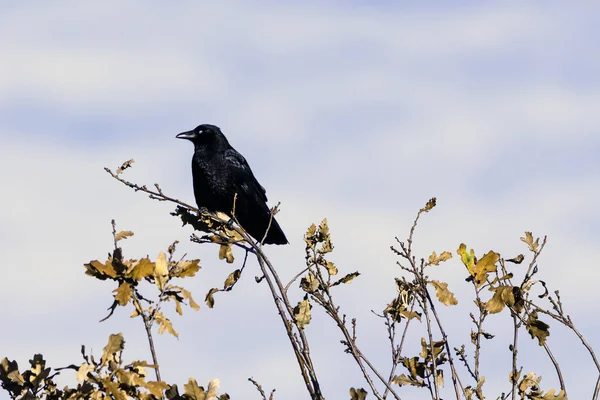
(219, 174)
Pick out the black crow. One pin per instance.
(219, 173)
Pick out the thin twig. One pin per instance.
(148, 327)
(455, 378)
(514, 356)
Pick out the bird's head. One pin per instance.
(202, 133)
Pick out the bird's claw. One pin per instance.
(203, 211)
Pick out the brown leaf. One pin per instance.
(443, 294)
(123, 235)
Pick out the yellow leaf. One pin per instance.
(443, 294)
(517, 260)
(439, 378)
(309, 236)
(360, 394)
(302, 313)
(123, 235)
(346, 279)
(232, 278)
(123, 293)
(115, 345)
(324, 228)
(438, 347)
(157, 388)
(188, 296)
(512, 379)
(503, 295)
(309, 283)
(99, 270)
(434, 259)
(467, 258)
(113, 389)
(209, 299)
(551, 396)
(213, 385)
(331, 269)
(161, 271)
(195, 392)
(484, 266)
(225, 253)
(83, 371)
(164, 324)
(124, 166)
(537, 329)
(187, 268)
(528, 381)
(402, 380)
(528, 239)
(142, 269)
(430, 204)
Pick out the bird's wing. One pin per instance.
(243, 174)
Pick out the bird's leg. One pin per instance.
(203, 211)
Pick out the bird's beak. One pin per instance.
(186, 135)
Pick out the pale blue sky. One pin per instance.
(356, 112)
